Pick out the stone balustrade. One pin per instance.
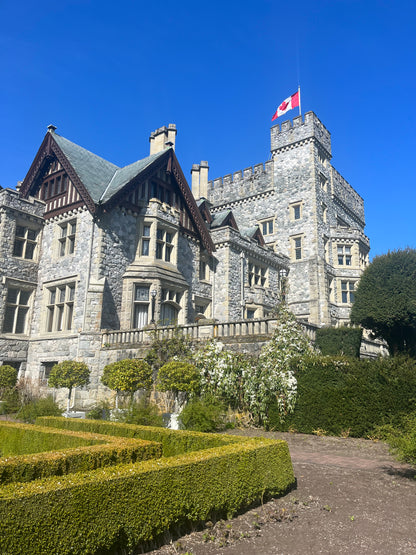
(200, 331)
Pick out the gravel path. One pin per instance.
(352, 497)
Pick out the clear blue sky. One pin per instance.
(108, 73)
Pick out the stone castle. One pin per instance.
(92, 254)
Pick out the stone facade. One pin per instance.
(308, 212)
(92, 255)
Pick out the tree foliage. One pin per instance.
(250, 385)
(385, 300)
(128, 375)
(163, 349)
(8, 376)
(178, 377)
(69, 373)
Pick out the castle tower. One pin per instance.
(301, 153)
(306, 211)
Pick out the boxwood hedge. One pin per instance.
(106, 451)
(174, 442)
(126, 506)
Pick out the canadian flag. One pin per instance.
(286, 105)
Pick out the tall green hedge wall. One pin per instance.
(339, 341)
(340, 395)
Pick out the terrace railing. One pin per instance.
(236, 329)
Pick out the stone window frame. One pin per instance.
(363, 257)
(172, 298)
(141, 300)
(257, 274)
(344, 255)
(16, 309)
(202, 306)
(45, 370)
(296, 211)
(347, 288)
(146, 233)
(297, 247)
(67, 231)
(324, 182)
(251, 312)
(59, 311)
(204, 270)
(25, 245)
(165, 237)
(267, 226)
(158, 240)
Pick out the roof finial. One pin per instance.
(51, 128)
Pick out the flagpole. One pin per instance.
(300, 109)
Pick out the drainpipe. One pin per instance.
(243, 301)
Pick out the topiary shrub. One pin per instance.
(70, 374)
(180, 380)
(339, 341)
(127, 376)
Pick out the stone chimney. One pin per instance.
(162, 138)
(199, 173)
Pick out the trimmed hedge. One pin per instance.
(126, 506)
(341, 395)
(24, 439)
(109, 451)
(174, 442)
(339, 341)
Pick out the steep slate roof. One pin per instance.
(99, 181)
(253, 233)
(123, 176)
(223, 218)
(101, 178)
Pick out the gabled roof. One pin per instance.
(224, 218)
(253, 233)
(204, 205)
(94, 172)
(100, 182)
(123, 176)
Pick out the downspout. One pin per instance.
(243, 301)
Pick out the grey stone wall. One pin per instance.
(301, 173)
(17, 272)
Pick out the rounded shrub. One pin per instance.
(178, 377)
(128, 375)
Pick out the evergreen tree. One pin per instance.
(385, 300)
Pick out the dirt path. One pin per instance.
(352, 497)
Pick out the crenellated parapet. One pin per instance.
(347, 197)
(291, 133)
(244, 183)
